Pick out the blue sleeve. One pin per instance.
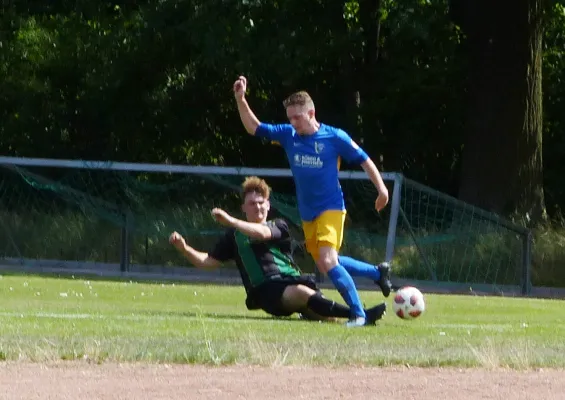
(279, 133)
(348, 149)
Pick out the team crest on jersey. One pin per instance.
(318, 147)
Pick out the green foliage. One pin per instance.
(554, 103)
(421, 88)
(547, 263)
(151, 81)
(492, 259)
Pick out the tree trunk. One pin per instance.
(502, 154)
(368, 77)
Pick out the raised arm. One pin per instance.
(197, 258)
(250, 229)
(248, 118)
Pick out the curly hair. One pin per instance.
(253, 184)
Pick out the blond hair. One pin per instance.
(253, 184)
(301, 99)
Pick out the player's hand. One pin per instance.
(239, 87)
(223, 217)
(382, 200)
(177, 240)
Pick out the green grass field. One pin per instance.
(47, 318)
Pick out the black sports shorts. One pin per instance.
(268, 295)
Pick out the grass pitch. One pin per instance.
(48, 318)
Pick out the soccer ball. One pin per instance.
(408, 303)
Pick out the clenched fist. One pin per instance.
(177, 240)
(239, 87)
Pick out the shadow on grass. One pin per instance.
(261, 316)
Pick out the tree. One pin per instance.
(501, 167)
(553, 104)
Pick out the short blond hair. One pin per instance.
(301, 99)
(254, 184)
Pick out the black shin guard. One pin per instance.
(327, 308)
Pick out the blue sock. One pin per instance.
(359, 268)
(346, 287)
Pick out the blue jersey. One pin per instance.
(314, 161)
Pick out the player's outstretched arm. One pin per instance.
(248, 118)
(375, 176)
(251, 229)
(197, 258)
(351, 152)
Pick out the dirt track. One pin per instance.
(77, 381)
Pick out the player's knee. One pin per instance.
(327, 258)
(300, 291)
(296, 297)
(324, 264)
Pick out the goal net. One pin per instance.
(94, 213)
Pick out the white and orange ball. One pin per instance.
(408, 303)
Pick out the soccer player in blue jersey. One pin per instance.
(314, 151)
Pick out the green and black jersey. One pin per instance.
(258, 260)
